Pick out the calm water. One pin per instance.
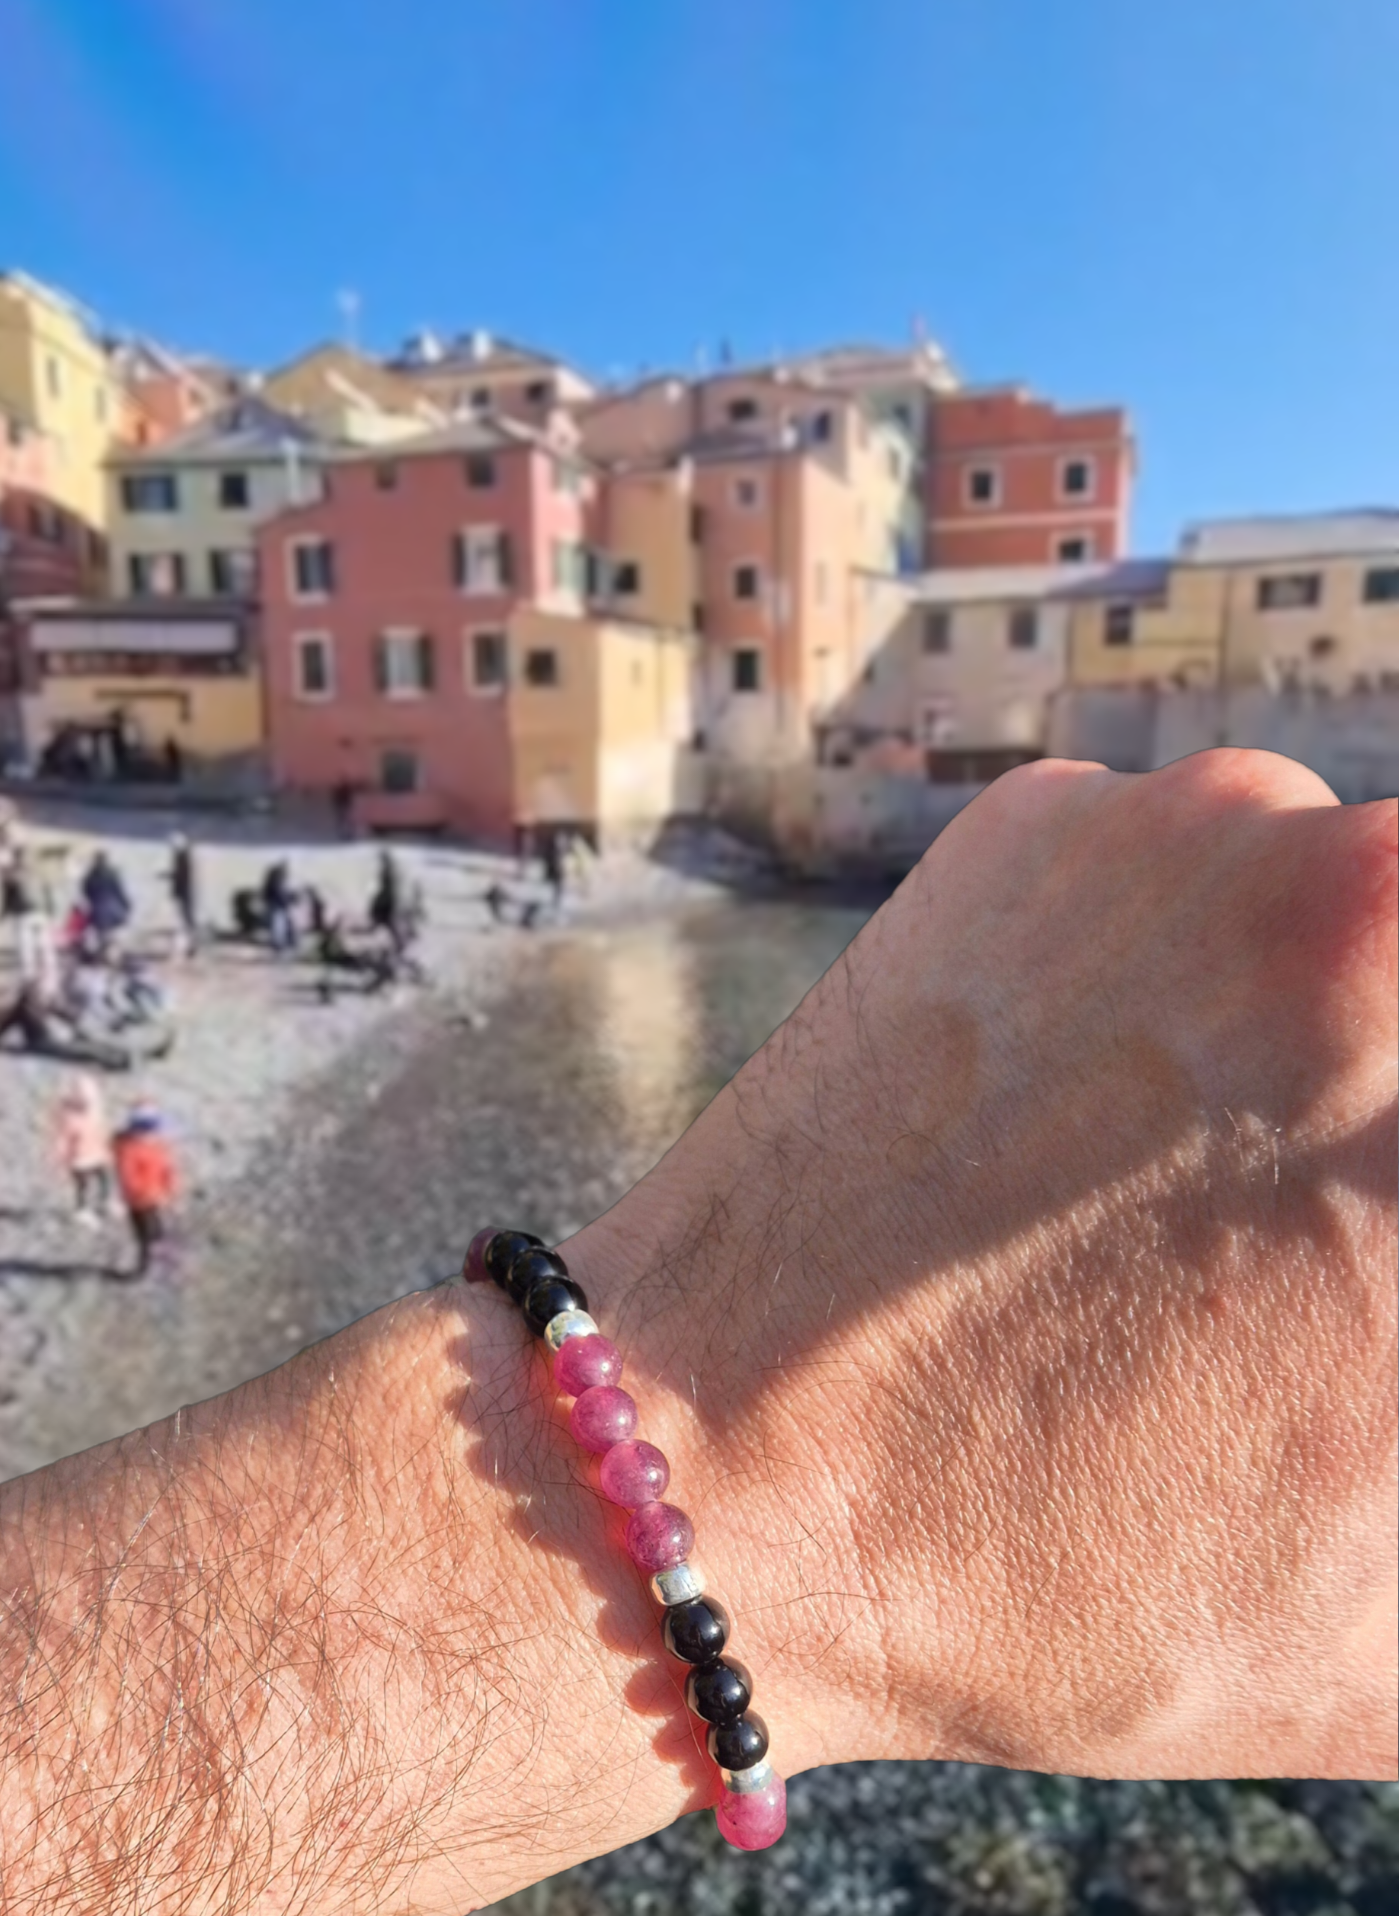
(604, 1047)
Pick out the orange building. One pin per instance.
(1013, 480)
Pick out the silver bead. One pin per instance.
(744, 1782)
(568, 1324)
(680, 1585)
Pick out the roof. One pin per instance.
(476, 433)
(475, 351)
(1303, 535)
(244, 429)
(957, 585)
(344, 373)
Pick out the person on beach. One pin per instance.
(552, 859)
(278, 901)
(85, 1148)
(145, 1168)
(386, 904)
(34, 941)
(183, 880)
(107, 900)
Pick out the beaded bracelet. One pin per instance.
(752, 1809)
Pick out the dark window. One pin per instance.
(539, 391)
(1024, 629)
(820, 428)
(156, 575)
(487, 659)
(1119, 624)
(1073, 551)
(313, 667)
(398, 770)
(741, 409)
(697, 616)
(313, 568)
(542, 666)
(1076, 478)
(150, 492)
(232, 573)
(983, 485)
(1322, 647)
(386, 476)
(234, 491)
(937, 630)
(697, 520)
(747, 669)
(626, 578)
(1283, 591)
(1381, 585)
(480, 471)
(481, 399)
(747, 582)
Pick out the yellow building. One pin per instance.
(644, 533)
(56, 377)
(343, 394)
(1310, 601)
(107, 684)
(600, 723)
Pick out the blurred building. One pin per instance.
(480, 373)
(183, 513)
(346, 395)
(56, 380)
(162, 394)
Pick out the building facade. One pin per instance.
(183, 515)
(1014, 480)
(482, 375)
(56, 379)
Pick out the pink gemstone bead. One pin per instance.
(659, 1536)
(634, 1473)
(602, 1416)
(756, 1819)
(585, 1362)
(474, 1265)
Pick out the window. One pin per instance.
(747, 494)
(1119, 623)
(481, 559)
(1322, 647)
(150, 492)
(232, 573)
(480, 471)
(486, 669)
(697, 523)
(567, 477)
(697, 616)
(312, 568)
(399, 770)
(1076, 549)
(314, 665)
(626, 578)
(937, 630)
(404, 664)
(539, 392)
(1076, 478)
(747, 668)
(821, 428)
(742, 409)
(542, 667)
(53, 376)
(747, 581)
(386, 476)
(1381, 585)
(1284, 591)
(481, 399)
(983, 485)
(235, 493)
(1024, 629)
(156, 575)
(570, 566)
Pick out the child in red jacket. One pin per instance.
(145, 1168)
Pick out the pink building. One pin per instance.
(386, 606)
(45, 550)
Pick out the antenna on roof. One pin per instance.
(349, 304)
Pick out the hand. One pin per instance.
(1022, 1316)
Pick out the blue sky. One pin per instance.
(1191, 206)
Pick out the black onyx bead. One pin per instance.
(530, 1267)
(548, 1298)
(502, 1251)
(719, 1692)
(697, 1631)
(738, 1746)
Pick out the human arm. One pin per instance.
(1020, 1328)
